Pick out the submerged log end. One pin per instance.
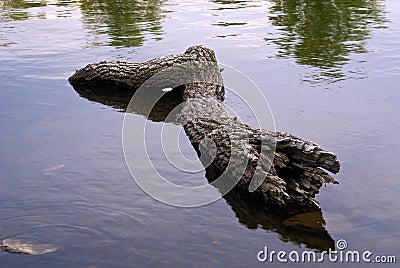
(84, 75)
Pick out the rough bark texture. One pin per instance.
(289, 169)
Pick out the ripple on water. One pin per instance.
(76, 229)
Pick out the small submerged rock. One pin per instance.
(17, 246)
(49, 171)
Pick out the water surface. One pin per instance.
(329, 69)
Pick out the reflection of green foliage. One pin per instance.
(124, 21)
(233, 4)
(229, 1)
(23, 3)
(323, 33)
(14, 9)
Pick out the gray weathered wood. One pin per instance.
(292, 174)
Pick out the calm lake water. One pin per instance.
(329, 69)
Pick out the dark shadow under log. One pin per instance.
(289, 172)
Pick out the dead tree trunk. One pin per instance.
(287, 169)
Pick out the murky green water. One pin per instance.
(329, 69)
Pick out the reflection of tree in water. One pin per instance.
(124, 21)
(234, 4)
(15, 9)
(322, 33)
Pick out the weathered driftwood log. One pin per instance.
(287, 169)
